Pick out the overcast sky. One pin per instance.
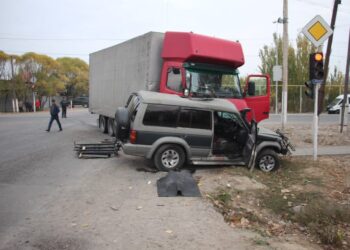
(78, 27)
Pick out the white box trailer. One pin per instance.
(117, 71)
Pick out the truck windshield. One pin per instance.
(213, 83)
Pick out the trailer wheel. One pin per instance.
(122, 123)
(103, 124)
(111, 128)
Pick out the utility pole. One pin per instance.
(276, 82)
(285, 64)
(346, 90)
(328, 54)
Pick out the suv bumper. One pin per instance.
(136, 149)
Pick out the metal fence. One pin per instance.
(298, 102)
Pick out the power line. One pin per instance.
(46, 53)
(61, 39)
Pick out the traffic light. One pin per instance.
(309, 92)
(316, 71)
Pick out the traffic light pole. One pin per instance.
(315, 122)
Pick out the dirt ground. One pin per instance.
(304, 203)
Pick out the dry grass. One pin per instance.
(295, 196)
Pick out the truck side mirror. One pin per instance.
(251, 88)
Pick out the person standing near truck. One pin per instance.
(64, 108)
(54, 111)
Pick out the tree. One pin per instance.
(298, 59)
(41, 73)
(75, 76)
(4, 60)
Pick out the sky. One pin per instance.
(76, 28)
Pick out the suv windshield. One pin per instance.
(204, 81)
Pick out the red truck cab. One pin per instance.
(208, 67)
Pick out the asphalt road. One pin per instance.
(50, 199)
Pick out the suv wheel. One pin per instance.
(267, 160)
(169, 157)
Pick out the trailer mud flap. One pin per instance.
(178, 184)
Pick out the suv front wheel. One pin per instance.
(169, 157)
(267, 160)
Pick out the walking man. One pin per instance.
(54, 110)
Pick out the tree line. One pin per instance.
(20, 76)
(298, 71)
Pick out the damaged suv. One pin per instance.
(173, 131)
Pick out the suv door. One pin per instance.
(249, 150)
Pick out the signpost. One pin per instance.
(317, 31)
(276, 77)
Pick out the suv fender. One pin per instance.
(268, 144)
(170, 140)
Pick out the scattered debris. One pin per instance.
(102, 149)
(285, 191)
(147, 170)
(114, 208)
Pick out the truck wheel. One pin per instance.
(122, 123)
(267, 160)
(169, 157)
(111, 128)
(103, 124)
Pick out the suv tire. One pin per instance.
(169, 157)
(267, 160)
(122, 123)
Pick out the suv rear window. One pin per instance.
(193, 118)
(173, 116)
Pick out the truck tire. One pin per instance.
(169, 157)
(122, 123)
(103, 124)
(111, 128)
(267, 160)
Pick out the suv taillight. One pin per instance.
(133, 136)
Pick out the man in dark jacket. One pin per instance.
(54, 110)
(64, 104)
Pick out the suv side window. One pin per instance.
(193, 118)
(161, 115)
